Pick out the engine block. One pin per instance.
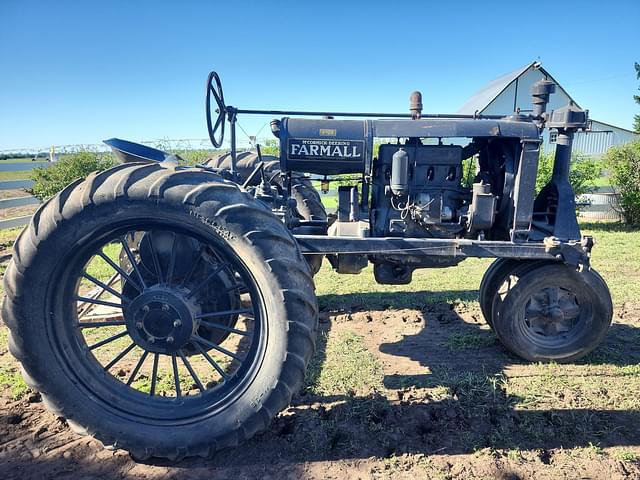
(417, 190)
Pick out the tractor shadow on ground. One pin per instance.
(458, 401)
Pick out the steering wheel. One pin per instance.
(214, 87)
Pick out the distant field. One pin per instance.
(19, 175)
(23, 160)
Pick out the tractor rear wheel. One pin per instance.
(553, 313)
(308, 203)
(192, 342)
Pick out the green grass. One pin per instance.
(9, 376)
(602, 182)
(466, 340)
(99, 268)
(456, 284)
(9, 235)
(627, 456)
(330, 203)
(616, 255)
(344, 367)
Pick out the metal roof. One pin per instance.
(481, 100)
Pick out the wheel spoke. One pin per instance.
(218, 121)
(191, 371)
(104, 286)
(551, 329)
(552, 295)
(120, 356)
(117, 268)
(534, 313)
(136, 369)
(108, 340)
(219, 326)
(237, 286)
(100, 324)
(154, 257)
(204, 283)
(176, 377)
(154, 374)
(90, 306)
(95, 301)
(132, 260)
(213, 363)
(194, 266)
(224, 313)
(570, 307)
(172, 260)
(216, 347)
(537, 324)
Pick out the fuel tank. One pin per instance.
(323, 146)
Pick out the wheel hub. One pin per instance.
(552, 312)
(161, 320)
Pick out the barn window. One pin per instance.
(553, 137)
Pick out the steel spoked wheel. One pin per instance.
(161, 310)
(553, 312)
(164, 313)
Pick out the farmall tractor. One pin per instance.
(170, 311)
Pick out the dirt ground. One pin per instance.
(438, 398)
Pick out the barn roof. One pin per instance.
(481, 100)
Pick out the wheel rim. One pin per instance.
(553, 316)
(168, 321)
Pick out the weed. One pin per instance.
(515, 455)
(626, 456)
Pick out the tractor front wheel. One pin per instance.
(553, 312)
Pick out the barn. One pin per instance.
(512, 91)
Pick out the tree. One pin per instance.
(583, 175)
(636, 118)
(49, 181)
(623, 161)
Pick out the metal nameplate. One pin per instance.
(329, 149)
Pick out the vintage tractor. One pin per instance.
(170, 310)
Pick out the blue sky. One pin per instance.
(79, 72)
